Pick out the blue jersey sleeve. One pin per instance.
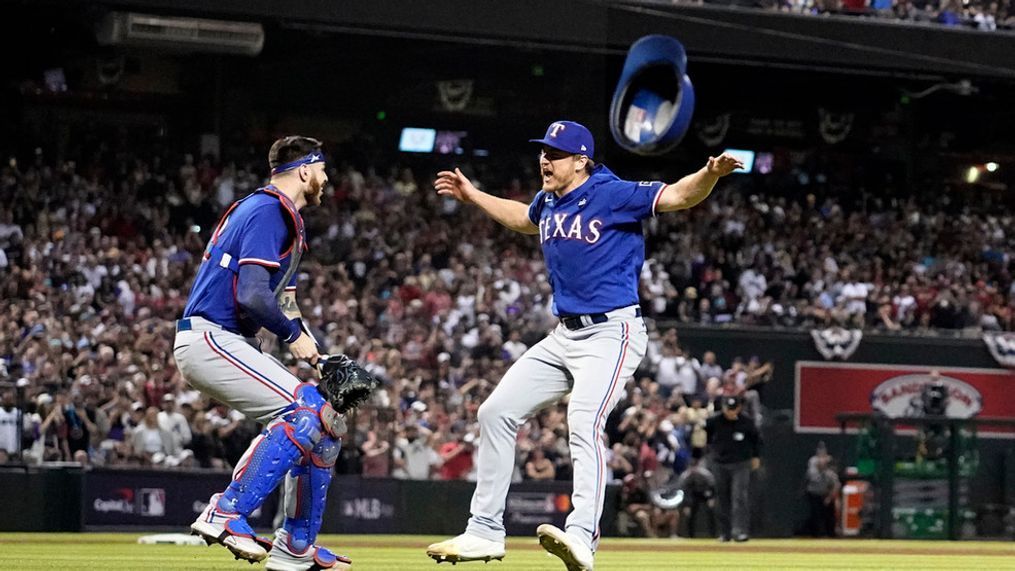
(536, 207)
(263, 237)
(635, 201)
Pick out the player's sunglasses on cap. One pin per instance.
(568, 136)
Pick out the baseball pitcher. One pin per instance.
(589, 224)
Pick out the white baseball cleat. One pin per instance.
(231, 531)
(314, 558)
(466, 547)
(571, 550)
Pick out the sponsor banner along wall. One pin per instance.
(155, 499)
(823, 390)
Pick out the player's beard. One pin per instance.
(315, 189)
(556, 183)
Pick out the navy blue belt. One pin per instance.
(186, 324)
(575, 322)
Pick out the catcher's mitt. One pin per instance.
(344, 383)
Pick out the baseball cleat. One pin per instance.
(231, 531)
(575, 555)
(466, 547)
(314, 558)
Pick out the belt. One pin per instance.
(188, 324)
(576, 322)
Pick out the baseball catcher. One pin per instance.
(247, 282)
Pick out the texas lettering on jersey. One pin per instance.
(560, 226)
(592, 241)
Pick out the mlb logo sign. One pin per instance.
(152, 502)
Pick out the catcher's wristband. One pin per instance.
(295, 330)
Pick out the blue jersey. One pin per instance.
(261, 229)
(592, 241)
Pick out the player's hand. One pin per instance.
(454, 184)
(755, 463)
(305, 349)
(723, 165)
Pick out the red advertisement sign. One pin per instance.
(826, 389)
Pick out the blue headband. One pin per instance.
(313, 157)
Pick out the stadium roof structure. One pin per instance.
(710, 33)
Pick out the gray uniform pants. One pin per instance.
(733, 481)
(226, 367)
(592, 364)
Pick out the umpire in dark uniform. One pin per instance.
(735, 450)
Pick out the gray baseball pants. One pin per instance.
(592, 364)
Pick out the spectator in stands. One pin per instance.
(79, 428)
(709, 368)
(376, 460)
(10, 416)
(50, 430)
(149, 439)
(513, 347)
(174, 422)
(853, 296)
(636, 505)
(413, 457)
(207, 448)
(456, 457)
(539, 467)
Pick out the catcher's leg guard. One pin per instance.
(306, 489)
(283, 442)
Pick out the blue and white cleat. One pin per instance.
(283, 558)
(231, 531)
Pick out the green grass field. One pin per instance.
(101, 551)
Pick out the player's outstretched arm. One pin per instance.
(695, 187)
(510, 213)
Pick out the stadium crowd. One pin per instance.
(986, 15)
(96, 258)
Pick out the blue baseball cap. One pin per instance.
(568, 136)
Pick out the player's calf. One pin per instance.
(306, 490)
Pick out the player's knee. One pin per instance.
(302, 426)
(581, 425)
(493, 416)
(330, 421)
(325, 452)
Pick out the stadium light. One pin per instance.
(992, 166)
(973, 175)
